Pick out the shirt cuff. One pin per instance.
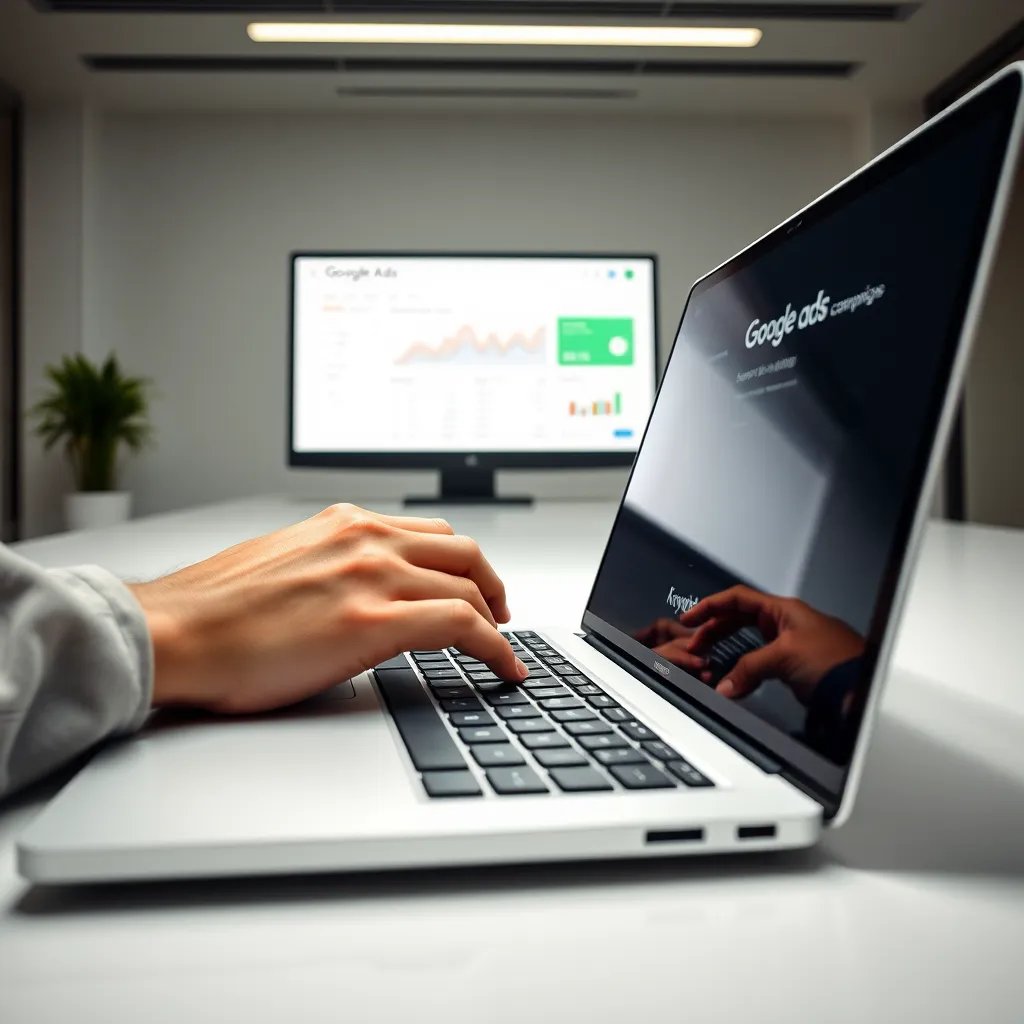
(94, 582)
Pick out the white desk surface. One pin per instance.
(912, 912)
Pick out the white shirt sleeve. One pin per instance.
(76, 665)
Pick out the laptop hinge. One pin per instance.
(713, 725)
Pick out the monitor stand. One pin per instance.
(467, 486)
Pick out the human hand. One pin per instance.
(803, 644)
(279, 618)
(670, 639)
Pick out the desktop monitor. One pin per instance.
(470, 362)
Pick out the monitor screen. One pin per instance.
(408, 355)
(754, 560)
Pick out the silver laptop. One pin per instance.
(720, 693)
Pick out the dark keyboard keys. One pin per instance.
(483, 734)
(441, 674)
(662, 751)
(638, 732)
(579, 780)
(517, 711)
(588, 689)
(549, 693)
(574, 715)
(429, 743)
(600, 700)
(460, 718)
(641, 776)
(462, 704)
(560, 757)
(544, 740)
(513, 781)
(593, 728)
(459, 783)
(560, 703)
(620, 755)
(503, 698)
(490, 755)
(432, 658)
(449, 692)
(617, 715)
(524, 726)
(685, 771)
(604, 742)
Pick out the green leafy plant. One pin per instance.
(94, 410)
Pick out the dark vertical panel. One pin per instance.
(9, 413)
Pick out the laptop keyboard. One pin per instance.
(556, 731)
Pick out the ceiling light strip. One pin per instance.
(501, 35)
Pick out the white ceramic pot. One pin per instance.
(89, 510)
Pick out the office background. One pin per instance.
(151, 213)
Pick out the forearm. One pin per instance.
(75, 665)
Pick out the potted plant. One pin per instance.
(94, 410)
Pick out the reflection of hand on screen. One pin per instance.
(669, 639)
(803, 644)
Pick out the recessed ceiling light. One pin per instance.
(507, 35)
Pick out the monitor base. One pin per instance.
(467, 486)
(440, 499)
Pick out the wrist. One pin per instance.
(175, 680)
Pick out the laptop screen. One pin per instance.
(761, 534)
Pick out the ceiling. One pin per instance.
(815, 57)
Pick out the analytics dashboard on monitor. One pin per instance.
(489, 359)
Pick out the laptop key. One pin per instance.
(588, 690)
(432, 656)
(637, 731)
(514, 781)
(462, 704)
(617, 714)
(490, 755)
(449, 692)
(429, 743)
(641, 776)
(483, 734)
(661, 750)
(579, 780)
(593, 728)
(549, 692)
(599, 700)
(606, 741)
(620, 755)
(460, 783)
(541, 740)
(573, 715)
(440, 674)
(461, 718)
(505, 697)
(522, 726)
(539, 677)
(560, 757)
(509, 712)
(685, 771)
(560, 703)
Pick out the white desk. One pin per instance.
(913, 912)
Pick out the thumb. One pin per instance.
(750, 671)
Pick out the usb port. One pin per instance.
(755, 832)
(682, 835)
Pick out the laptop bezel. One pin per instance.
(686, 691)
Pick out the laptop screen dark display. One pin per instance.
(762, 531)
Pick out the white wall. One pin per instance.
(189, 219)
(53, 254)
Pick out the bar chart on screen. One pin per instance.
(601, 407)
